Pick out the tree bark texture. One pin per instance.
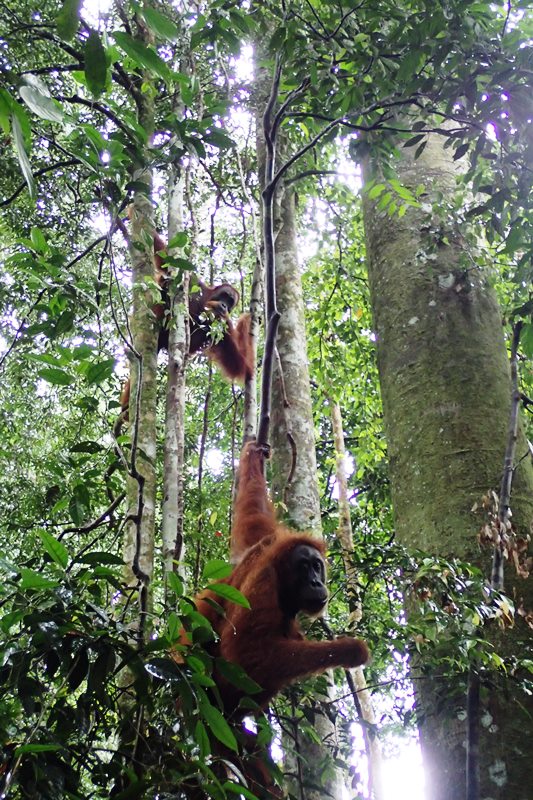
(294, 480)
(178, 348)
(139, 532)
(446, 393)
(141, 484)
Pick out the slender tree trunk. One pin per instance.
(293, 435)
(446, 397)
(294, 460)
(141, 487)
(178, 351)
(178, 348)
(366, 708)
(294, 483)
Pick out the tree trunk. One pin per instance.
(293, 459)
(446, 392)
(178, 349)
(294, 483)
(139, 529)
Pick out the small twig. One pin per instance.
(58, 165)
(21, 326)
(90, 526)
(506, 22)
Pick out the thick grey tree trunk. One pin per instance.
(446, 392)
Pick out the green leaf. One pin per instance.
(99, 557)
(161, 25)
(238, 788)
(143, 56)
(376, 190)
(237, 676)
(56, 376)
(216, 570)
(45, 107)
(165, 669)
(219, 139)
(461, 150)
(174, 626)
(38, 241)
(86, 447)
(526, 340)
(6, 107)
(414, 140)
(101, 371)
(179, 240)
(37, 748)
(68, 18)
(218, 726)
(56, 550)
(175, 584)
(202, 740)
(33, 580)
(229, 593)
(95, 64)
(403, 192)
(24, 161)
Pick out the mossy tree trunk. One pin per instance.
(141, 485)
(446, 391)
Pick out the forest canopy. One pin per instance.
(355, 176)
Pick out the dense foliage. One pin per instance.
(85, 712)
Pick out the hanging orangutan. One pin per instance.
(280, 572)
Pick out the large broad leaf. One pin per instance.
(218, 725)
(22, 155)
(99, 372)
(143, 56)
(6, 106)
(95, 64)
(229, 593)
(56, 550)
(236, 675)
(38, 748)
(175, 584)
(41, 104)
(33, 580)
(164, 27)
(202, 740)
(238, 788)
(56, 376)
(100, 557)
(216, 570)
(68, 18)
